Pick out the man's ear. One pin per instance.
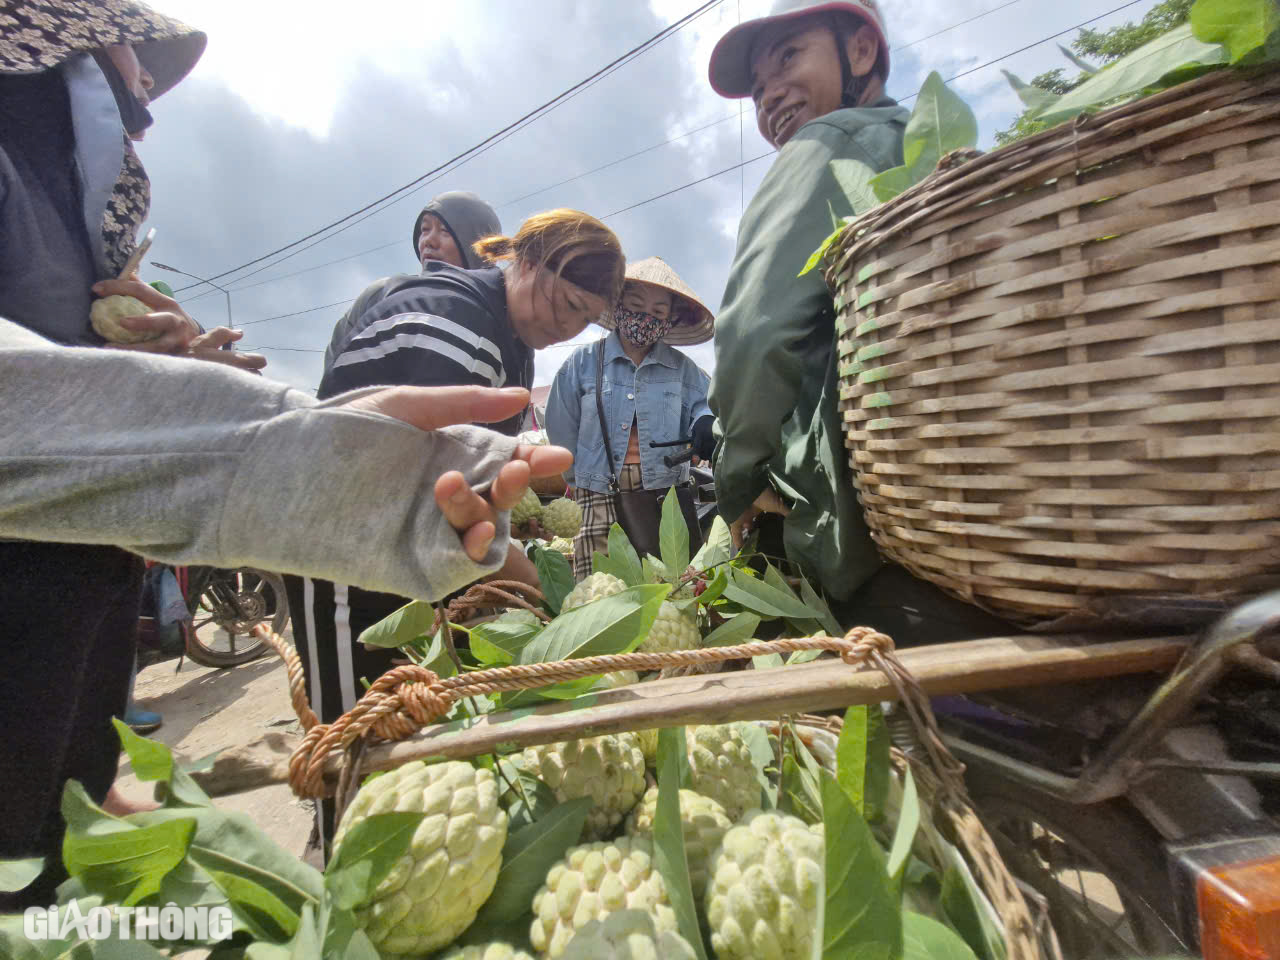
(863, 48)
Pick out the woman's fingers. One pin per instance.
(510, 484)
(462, 506)
(544, 461)
(477, 540)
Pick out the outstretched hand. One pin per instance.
(430, 408)
(768, 502)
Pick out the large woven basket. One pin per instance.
(1060, 362)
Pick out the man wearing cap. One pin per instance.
(816, 73)
(447, 229)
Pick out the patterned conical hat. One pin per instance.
(696, 324)
(36, 35)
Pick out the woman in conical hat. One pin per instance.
(650, 392)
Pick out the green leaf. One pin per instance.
(717, 548)
(738, 629)
(555, 573)
(879, 766)
(565, 690)
(854, 178)
(1032, 97)
(17, 874)
(715, 589)
(366, 855)
(815, 258)
(614, 624)
(122, 862)
(1084, 65)
(497, 644)
(1241, 25)
(527, 856)
(940, 122)
(668, 834)
(436, 657)
(766, 661)
(603, 563)
(1131, 74)
(762, 757)
(926, 939)
(152, 760)
(968, 910)
(799, 789)
(655, 571)
(861, 917)
(764, 599)
(401, 628)
(528, 800)
(815, 603)
(231, 845)
(162, 287)
(905, 833)
(624, 556)
(887, 184)
(673, 535)
(851, 757)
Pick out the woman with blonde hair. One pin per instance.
(451, 327)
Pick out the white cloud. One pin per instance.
(301, 112)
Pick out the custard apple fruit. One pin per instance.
(608, 769)
(485, 951)
(436, 889)
(619, 678)
(648, 745)
(703, 822)
(592, 588)
(723, 768)
(562, 518)
(563, 545)
(529, 508)
(766, 878)
(671, 631)
(591, 882)
(627, 935)
(105, 314)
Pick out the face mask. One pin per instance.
(641, 329)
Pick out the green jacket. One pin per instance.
(775, 389)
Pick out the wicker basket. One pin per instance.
(1060, 362)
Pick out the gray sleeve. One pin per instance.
(201, 463)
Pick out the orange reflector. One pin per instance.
(1240, 910)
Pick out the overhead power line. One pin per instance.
(298, 313)
(539, 111)
(1014, 53)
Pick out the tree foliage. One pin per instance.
(1101, 47)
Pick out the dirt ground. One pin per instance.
(206, 710)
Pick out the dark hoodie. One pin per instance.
(468, 219)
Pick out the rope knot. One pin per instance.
(861, 642)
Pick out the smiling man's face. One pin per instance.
(795, 78)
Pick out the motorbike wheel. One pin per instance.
(1098, 868)
(231, 603)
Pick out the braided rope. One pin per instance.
(407, 698)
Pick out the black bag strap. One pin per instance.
(604, 427)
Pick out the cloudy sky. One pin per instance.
(300, 113)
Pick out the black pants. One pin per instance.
(68, 631)
(327, 620)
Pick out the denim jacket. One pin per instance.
(665, 395)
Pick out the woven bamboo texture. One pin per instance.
(1060, 362)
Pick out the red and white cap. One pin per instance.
(730, 69)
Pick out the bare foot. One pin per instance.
(118, 805)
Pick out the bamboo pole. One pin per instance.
(968, 667)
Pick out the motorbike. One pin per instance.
(224, 606)
(1139, 817)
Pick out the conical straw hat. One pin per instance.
(695, 323)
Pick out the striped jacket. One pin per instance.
(446, 327)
